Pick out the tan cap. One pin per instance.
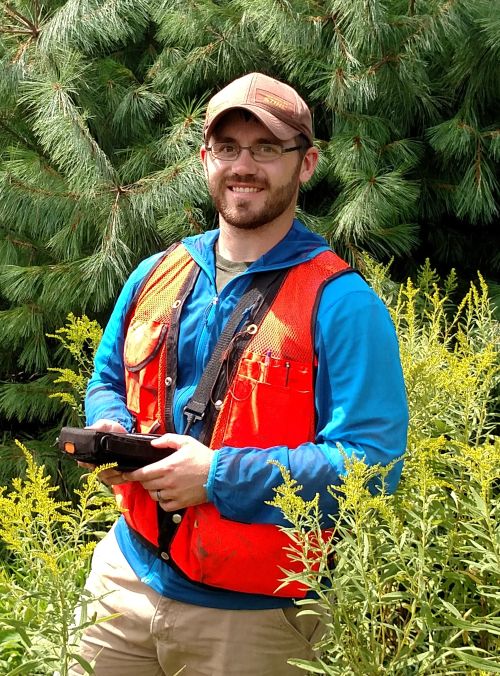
(274, 103)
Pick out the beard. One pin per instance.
(241, 214)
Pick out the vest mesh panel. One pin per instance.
(160, 291)
(289, 314)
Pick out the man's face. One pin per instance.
(248, 194)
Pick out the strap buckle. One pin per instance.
(194, 411)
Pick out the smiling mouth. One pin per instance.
(237, 189)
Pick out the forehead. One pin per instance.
(238, 123)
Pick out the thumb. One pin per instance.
(105, 425)
(171, 441)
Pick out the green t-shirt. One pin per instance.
(225, 270)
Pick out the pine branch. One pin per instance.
(60, 126)
(31, 27)
(137, 109)
(29, 402)
(477, 191)
(370, 202)
(101, 113)
(16, 135)
(29, 341)
(163, 190)
(95, 27)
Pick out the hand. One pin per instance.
(181, 477)
(110, 477)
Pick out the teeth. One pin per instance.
(235, 189)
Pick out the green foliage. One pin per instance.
(101, 112)
(49, 544)
(415, 582)
(80, 337)
(43, 399)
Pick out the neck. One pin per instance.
(240, 245)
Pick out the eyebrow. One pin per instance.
(229, 139)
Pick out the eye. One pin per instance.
(225, 148)
(267, 149)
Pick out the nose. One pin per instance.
(244, 164)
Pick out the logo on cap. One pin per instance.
(262, 96)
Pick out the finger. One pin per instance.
(155, 470)
(146, 474)
(115, 481)
(111, 477)
(111, 474)
(171, 441)
(160, 494)
(155, 485)
(105, 425)
(112, 481)
(170, 505)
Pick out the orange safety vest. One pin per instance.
(268, 402)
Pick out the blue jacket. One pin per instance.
(360, 398)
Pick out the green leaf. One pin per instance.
(307, 665)
(82, 662)
(486, 664)
(25, 668)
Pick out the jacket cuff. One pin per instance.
(209, 486)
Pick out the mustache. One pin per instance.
(249, 180)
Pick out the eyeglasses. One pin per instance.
(260, 152)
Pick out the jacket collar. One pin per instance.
(299, 244)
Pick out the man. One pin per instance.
(310, 363)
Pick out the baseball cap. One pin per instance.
(273, 103)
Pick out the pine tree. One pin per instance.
(101, 111)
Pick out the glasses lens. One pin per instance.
(225, 151)
(261, 152)
(266, 152)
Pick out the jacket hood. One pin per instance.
(299, 244)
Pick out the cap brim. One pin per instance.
(280, 129)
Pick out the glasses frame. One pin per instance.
(249, 148)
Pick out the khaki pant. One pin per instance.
(155, 635)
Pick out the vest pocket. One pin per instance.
(271, 402)
(141, 353)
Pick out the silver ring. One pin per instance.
(158, 494)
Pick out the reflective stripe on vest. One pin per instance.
(269, 401)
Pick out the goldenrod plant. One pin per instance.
(80, 337)
(101, 116)
(78, 340)
(410, 583)
(407, 584)
(48, 545)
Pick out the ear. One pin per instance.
(203, 158)
(309, 164)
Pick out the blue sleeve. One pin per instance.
(360, 403)
(106, 388)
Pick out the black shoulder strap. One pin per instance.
(263, 288)
(172, 342)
